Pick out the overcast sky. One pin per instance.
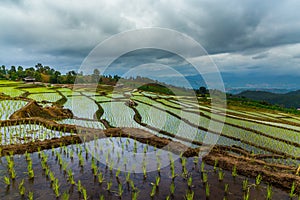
(243, 37)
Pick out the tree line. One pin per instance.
(47, 74)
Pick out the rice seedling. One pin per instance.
(172, 188)
(202, 167)
(128, 177)
(10, 163)
(226, 188)
(21, 188)
(221, 175)
(30, 171)
(195, 160)
(269, 192)
(292, 191)
(118, 172)
(81, 160)
(173, 175)
(246, 195)
(207, 190)
(71, 177)
(120, 190)
(189, 195)
(55, 187)
(79, 186)
(30, 196)
(158, 168)
(245, 184)
(190, 181)
(94, 167)
(183, 164)
(71, 155)
(31, 174)
(153, 191)
(133, 188)
(157, 181)
(84, 194)
(6, 181)
(134, 195)
(258, 179)
(27, 156)
(215, 165)
(144, 171)
(109, 185)
(13, 174)
(51, 176)
(204, 177)
(100, 177)
(111, 166)
(65, 196)
(64, 166)
(234, 171)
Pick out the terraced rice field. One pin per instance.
(100, 152)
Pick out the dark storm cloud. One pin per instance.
(225, 26)
(296, 56)
(260, 56)
(237, 33)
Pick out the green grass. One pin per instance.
(38, 90)
(51, 97)
(101, 98)
(11, 91)
(7, 82)
(169, 103)
(64, 89)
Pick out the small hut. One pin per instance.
(29, 79)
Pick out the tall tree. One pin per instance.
(20, 72)
(13, 73)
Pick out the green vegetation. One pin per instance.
(156, 88)
(46, 74)
(263, 105)
(93, 169)
(289, 100)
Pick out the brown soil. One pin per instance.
(275, 174)
(32, 109)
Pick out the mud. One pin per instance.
(32, 109)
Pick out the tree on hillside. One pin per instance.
(20, 72)
(96, 76)
(3, 71)
(37, 75)
(29, 72)
(13, 73)
(202, 91)
(71, 76)
(54, 78)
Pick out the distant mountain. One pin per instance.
(289, 100)
(236, 83)
(272, 90)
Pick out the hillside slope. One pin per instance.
(289, 100)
